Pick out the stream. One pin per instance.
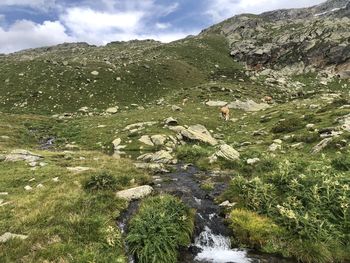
(211, 239)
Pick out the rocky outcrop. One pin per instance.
(320, 146)
(22, 155)
(195, 133)
(158, 157)
(135, 193)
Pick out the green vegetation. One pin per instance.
(101, 181)
(162, 224)
(310, 202)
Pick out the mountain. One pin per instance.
(296, 40)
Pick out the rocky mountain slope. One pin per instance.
(295, 41)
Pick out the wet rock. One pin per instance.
(22, 155)
(117, 147)
(158, 157)
(8, 236)
(135, 193)
(320, 146)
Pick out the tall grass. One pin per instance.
(161, 226)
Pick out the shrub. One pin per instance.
(161, 226)
(101, 181)
(288, 125)
(192, 153)
(342, 163)
(256, 231)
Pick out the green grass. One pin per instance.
(161, 226)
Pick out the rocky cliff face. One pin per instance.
(295, 41)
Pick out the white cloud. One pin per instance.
(163, 25)
(39, 4)
(84, 22)
(222, 9)
(26, 34)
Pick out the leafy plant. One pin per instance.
(101, 181)
(162, 224)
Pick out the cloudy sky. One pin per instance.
(35, 23)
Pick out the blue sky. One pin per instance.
(34, 23)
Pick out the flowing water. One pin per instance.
(211, 241)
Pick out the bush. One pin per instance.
(310, 202)
(101, 181)
(342, 163)
(192, 153)
(288, 125)
(161, 226)
(256, 231)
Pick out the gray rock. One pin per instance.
(176, 108)
(227, 152)
(212, 103)
(95, 73)
(253, 161)
(135, 193)
(112, 110)
(22, 155)
(8, 236)
(320, 146)
(171, 121)
(158, 139)
(78, 169)
(198, 133)
(154, 167)
(146, 140)
(274, 147)
(248, 105)
(158, 157)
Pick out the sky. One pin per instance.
(36, 23)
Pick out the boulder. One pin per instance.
(158, 157)
(22, 155)
(158, 139)
(320, 146)
(154, 167)
(135, 193)
(171, 121)
(8, 236)
(228, 153)
(146, 140)
(198, 133)
(112, 110)
(95, 73)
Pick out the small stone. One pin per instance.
(227, 204)
(8, 236)
(112, 110)
(278, 141)
(253, 161)
(56, 179)
(135, 193)
(28, 188)
(95, 73)
(40, 186)
(78, 169)
(274, 147)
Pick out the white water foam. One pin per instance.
(217, 249)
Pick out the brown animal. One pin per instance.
(268, 99)
(225, 112)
